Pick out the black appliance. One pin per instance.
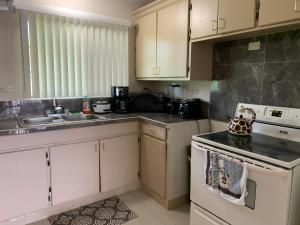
(148, 102)
(120, 97)
(193, 109)
(174, 107)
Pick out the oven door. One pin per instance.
(267, 202)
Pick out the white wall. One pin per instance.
(11, 63)
(113, 8)
(191, 89)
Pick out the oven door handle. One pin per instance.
(276, 172)
(260, 167)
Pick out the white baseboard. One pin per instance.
(45, 213)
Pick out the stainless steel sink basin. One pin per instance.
(38, 121)
(54, 120)
(79, 117)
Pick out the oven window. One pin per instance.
(250, 198)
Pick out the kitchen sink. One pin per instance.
(54, 120)
(79, 117)
(38, 121)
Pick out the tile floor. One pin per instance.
(149, 211)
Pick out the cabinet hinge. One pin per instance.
(139, 139)
(49, 198)
(139, 174)
(188, 69)
(191, 6)
(50, 190)
(257, 9)
(47, 156)
(48, 162)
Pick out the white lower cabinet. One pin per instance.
(154, 164)
(199, 216)
(23, 183)
(74, 171)
(118, 162)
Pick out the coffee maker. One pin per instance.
(120, 99)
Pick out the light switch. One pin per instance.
(252, 46)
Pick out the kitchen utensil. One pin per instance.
(101, 107)
(240, 125)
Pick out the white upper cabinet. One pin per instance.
(204, 17)
(119, 162)
(146, 45)
(221, 16)
(172, 40)
(74, 171)
(24, 183)
(236, 15)
(162, 41)
(277, 11)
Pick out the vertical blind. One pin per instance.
(67, 57)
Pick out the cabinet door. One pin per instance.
(74, 171)
(24, 183)
(204, 17)
(153, 164)
(172, 40)
(146, 46)
(118, 162)
(277, 11)
(236, 15)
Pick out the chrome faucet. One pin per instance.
(57, 108)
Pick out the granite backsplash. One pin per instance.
(268, 76)
(25, 108)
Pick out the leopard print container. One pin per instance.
(242, 126)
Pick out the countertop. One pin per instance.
(12, 127)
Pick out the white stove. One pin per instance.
(272, 154)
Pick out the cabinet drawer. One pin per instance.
(199, 216)
(154, 131)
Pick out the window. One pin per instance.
(67, 57)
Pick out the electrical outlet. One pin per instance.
(10, 89)
(195, 93)
(252, 46)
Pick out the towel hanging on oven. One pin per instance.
(226, 177)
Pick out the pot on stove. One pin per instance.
(240, 125)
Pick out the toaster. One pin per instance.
(192, 109)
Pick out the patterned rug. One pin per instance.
(110, 211)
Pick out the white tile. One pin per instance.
(149, 211)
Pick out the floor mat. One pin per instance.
(110, 211)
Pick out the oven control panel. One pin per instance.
(277, 113)
(272, 114)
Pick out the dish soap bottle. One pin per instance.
(86, 108)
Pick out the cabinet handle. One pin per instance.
(214, 25)
(221, 23)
